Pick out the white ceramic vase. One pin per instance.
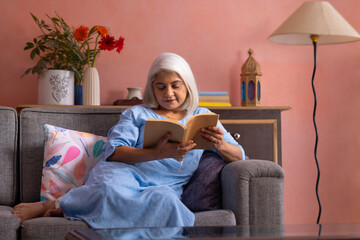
(91, 87)
(56, 87)
(134, 92)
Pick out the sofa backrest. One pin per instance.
(8, 156)
(31, 136)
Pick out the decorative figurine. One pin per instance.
(250, 82)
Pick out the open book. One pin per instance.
(156, 128)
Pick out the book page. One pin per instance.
(194, 125)
(156, 128)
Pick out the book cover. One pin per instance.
(213, 93)
(214, 98)
(214, 104)
(156, 128)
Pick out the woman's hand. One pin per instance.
(166, 149)
(214, 136)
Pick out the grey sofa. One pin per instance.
(252, 189)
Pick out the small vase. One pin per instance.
(134, 92)
(78, 96)
(56, 87)
(91, 87)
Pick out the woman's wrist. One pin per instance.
(229, 152)
(131, 155)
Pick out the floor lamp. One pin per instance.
(315, 22)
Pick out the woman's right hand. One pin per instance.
(163, 149)
(166, 149)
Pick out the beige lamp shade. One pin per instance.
(315, 18)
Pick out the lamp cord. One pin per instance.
(317, 136)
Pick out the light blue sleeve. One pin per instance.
(125, 133)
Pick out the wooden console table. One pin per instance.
(257, 129)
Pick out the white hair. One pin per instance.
(170, 62)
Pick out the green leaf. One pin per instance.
(29, 45)
(33, 53)
(42, 48)
(92, 30)
(35, 18)
(26, 72)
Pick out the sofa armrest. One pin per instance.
(253, 190)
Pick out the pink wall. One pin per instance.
(214, 36)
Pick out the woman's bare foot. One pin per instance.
(26, 211)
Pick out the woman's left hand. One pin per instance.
(214, 136)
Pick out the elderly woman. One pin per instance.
(141, 187)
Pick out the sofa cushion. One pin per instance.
(203, 191)
(9, 223)
(69, 155)
(49, 228)
(8, 156)
(215, 218)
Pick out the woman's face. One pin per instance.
(170, 90)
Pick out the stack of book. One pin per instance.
(208, 99)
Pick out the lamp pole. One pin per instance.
(314, 39)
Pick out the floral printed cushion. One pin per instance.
(68, 157)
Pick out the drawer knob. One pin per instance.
(236, 136)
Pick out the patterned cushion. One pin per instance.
(203, 192)
(68, 157)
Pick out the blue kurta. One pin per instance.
(147, 194)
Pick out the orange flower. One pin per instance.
(102, 30)
(81, 33)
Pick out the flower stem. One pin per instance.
(95, 55)
(88, 53)
(96, 51)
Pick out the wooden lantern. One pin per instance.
(250, 82)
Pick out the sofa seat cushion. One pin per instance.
(57, 228)
(215, 218)
(49, 228)
(9, 223)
